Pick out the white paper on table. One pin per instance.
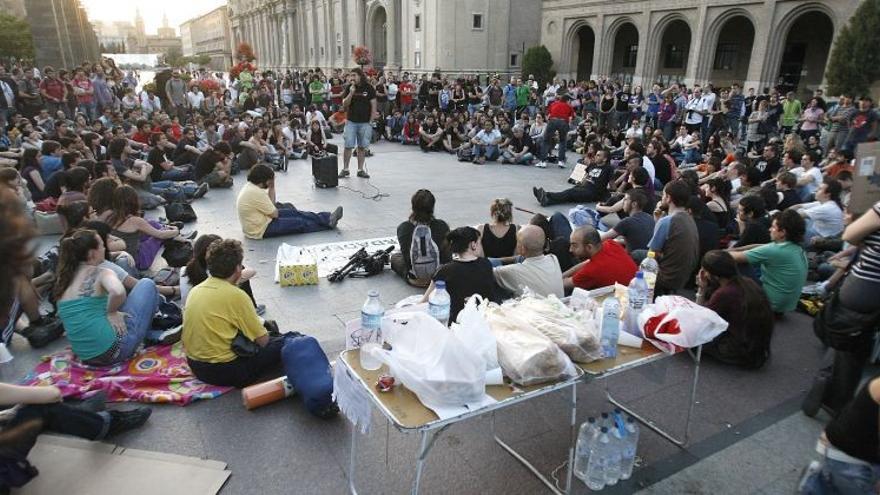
(447, 412)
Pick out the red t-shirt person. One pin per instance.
(610, 265)
(560, 110)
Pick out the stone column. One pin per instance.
(361, 20)
(285, 41)
(762, 69)
(599, 42)
(391, 35)
(698, 68)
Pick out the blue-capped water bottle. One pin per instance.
(439, 302)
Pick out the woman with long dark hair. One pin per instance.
(422, 214)
(742, 304)
(103, 325)
(31, 171)
(467, 274)
(128, 225)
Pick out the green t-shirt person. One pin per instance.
(783, 272)
(522, 95)
(791, 112)
(316, 89)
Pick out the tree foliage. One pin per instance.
(855, 60)
(538, 62)
(15, 37)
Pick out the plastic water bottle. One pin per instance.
(610, 326)
(598, 459)
(638, 296)
(650, 269)
(605, 420)
(615, 454)
(630, 447)
(439, 302)
(371, 328)
(584, 444)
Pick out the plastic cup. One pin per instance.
(369, 361)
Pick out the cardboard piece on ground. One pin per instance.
(866, 177)
(62, 462)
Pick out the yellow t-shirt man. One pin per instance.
(215, 311)
(254, 210)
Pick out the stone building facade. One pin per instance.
(209, 34)
(62, 33)
(410, 35)
(755, 43)
(165, 41)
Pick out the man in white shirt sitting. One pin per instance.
(539, 272)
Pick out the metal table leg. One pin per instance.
(428, 439)
(352, 462)
(696, 356)
(528, 465)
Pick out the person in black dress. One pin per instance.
(467, 274)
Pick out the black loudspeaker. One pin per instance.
(324, 170)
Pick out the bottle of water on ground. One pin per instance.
(371, 328)
(615, 454)
(439, 302)
(595, 479)
(629, 450)
(637, 295)
(610, 326)
(650, 269)
(584, 444)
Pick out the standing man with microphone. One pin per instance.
(359, 101)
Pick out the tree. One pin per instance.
(202, 60)
(538, 62)
(15, 37)
(855, 60)
(174, 57)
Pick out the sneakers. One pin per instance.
(170, 336)
(201, 191)
(344, 173)
(541, 164)
(561, 163)
(363, 174)
(335, 216)
(122, 421)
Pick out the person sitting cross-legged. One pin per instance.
(216, 311)
(262, 217)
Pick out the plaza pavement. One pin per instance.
(281, 449)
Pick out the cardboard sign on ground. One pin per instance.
(78, 467)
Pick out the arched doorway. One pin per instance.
(626, 51)
(730, 63)
(805, 53)
(377, 43)
(675, 44)
(582, 50)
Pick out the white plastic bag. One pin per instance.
(575, 332)
(674, 323)
(473, 330)
(432, 362)
(526, 355)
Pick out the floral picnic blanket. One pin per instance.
(156, 374)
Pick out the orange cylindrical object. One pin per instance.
(260, 394)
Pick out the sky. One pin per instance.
(151, 10)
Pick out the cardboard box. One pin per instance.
(297, 267)
(866, 178)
